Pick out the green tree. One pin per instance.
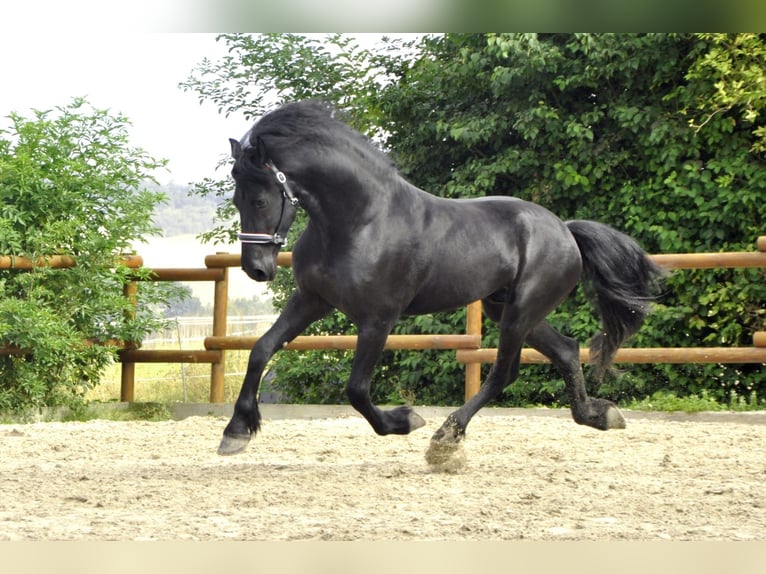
(731, 80)
(659, 135)
(262, 71)
(605, 127)
(70, 184)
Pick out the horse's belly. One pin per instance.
(451, 293)
(429, 305)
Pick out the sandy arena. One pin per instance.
(536, 476)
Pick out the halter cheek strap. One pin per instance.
(287, 193)
(279, 237)
(261, 238)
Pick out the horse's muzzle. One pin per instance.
(259, 274)
(259, 266)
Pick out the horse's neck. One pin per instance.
(342, 192)
(339, 211)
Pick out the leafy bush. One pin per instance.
(71, 184)
(668, 401)
(658, 135)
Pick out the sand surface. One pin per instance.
(527, 477)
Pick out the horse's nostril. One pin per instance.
(257, 274)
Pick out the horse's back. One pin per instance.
(475, 247)
(500, 227)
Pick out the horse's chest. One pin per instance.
(321, 278)
(357, 289)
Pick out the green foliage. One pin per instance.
(658, 135)
(732, 81)
(600, 126)
(262, 71)
(669, 402)
(70, 184)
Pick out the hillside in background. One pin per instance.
(183, 214)
(182, 218)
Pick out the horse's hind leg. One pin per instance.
(514, 326)
(564, 353)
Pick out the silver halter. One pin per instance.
(279, 237)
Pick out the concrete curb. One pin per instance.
(179, 411)
(286, 411)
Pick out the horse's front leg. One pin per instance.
(299, 312)
(400, 420)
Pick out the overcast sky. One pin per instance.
(136, 74)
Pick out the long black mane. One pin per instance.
(316, 127)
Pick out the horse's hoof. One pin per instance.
(415, 420)
(446, 452)
(233, 444)
(446, 456)
(400, 420)
(614, 418)
(450, 432)
(599, 414)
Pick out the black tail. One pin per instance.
(620, 280)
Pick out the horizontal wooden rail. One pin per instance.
(348, 342)
(169, 356)
(7, 350)
(665, 260)
(200, 274)
(16, 350)
(710, 260)
(675, 355)
(284, 259)
(55, 261)
(59, 262)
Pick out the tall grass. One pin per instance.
(175, 382)
(172, 382)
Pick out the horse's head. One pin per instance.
(266, 206)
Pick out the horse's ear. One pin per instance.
(236, 149)
(260, 151)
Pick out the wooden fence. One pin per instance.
(467, 345)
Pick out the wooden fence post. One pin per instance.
(473, 370)
(128, 369)
(220, 312)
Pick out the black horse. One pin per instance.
(376, 247)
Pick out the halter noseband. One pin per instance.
(278, 237)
